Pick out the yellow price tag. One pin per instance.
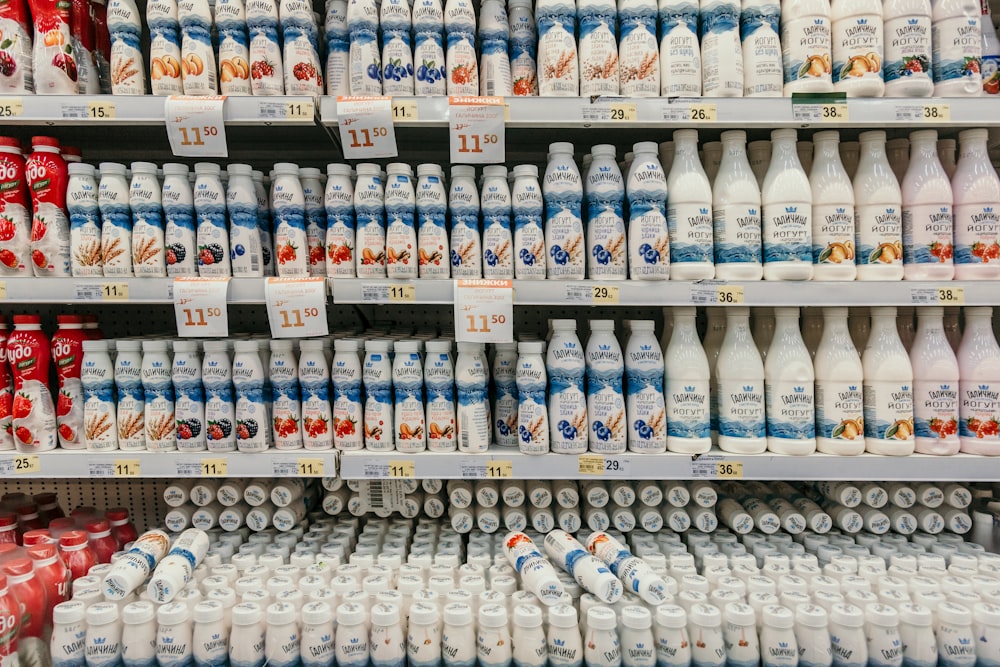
(703, 113)
(11, 107)
(310, 467)
(401, 469)
(27, 464)
(126, 467)
(624, 111)
(730, 295)
(951, 296)
(937, 113)
(114, 292)
(3, 289)
(100, 110)
(729, 470)
(299, 111)
(591, 464)
(605, 295)
(500, 469)
(402, 293)
(404, 110)
(834, 112)
(214, 467)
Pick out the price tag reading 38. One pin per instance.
(484, 311)
(200, 307)
(476, 130)
(366, 129)
(195, 126)
(296, 307)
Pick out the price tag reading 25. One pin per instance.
(366, 129)
(476, 130)
(296, 307)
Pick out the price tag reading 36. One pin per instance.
(366, 129)
(195, 126)
(484, 311)
(476, 130)
(296, 307)
(200, 307)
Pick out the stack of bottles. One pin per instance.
(235, 504)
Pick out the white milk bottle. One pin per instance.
(806, 46)
(463, 204)
(494, 34)
(644, 374)
(740, 635)
(369, 212)
(103, 646)
(715, 332)
(97, 380)
(364, 57)
(935, 385)
(252, 432)
(198, 70)
(599, 72)
(563, 641)
(673, 646)
(739, 376)
(315, 217)
(977, 215)
(558, 64)
(605, 195)
(759, 155)
(432, 235)
(878, 203)
(839, 382)
(528, 207)
(131, 397)
(216, 378)
(408, 385)
(314, 380)
(787, 212)
(460, 54)
(244, 235)
(605, 403)
(705, 629)
(979, 400)
(338, 49)
(917, 635)
(69, 631)
(317, 647)
(721, 52)
(180, 236)
(648, 235)
(736, 214)
(401, 232)
(638, 48)
(498, 243)
(637, 643)
(84, 223)
(566, 367)
(601, 647)
(563, 193)
(759, 30)
(397, 51)
(888, 388)
(857, 47)
(686, 387)
(955, 640)
(789, 380)
(210, 639)
(116, 220)
(147, 221)
(778, 646)
(680, 53)
(458, 636)
(532, 412)
(210, 215)
(522, 47)
(388, 644)
(812, 636)
(529, 637)
(345, 375)
(338, 199)
(379, 425)
(907, 36)
(234, 48)
(159, 397)
(689, 211)
(266, 72)
(927, 212)
(264, 223)
(282, 641)
(291, 244)
(956, 37)
(189, 397)
(164, 48)
(286, 406)
(504, 394)
(246, 639)
(473, 409)
(832, 211)
(428, 47)
(439, 385)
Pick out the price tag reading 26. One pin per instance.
(476, 130)
(366, 129)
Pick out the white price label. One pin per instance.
(716, 467)
(484, 311)
(195, 126)
(200, 307)
(366, 129)
(476, 130)
(296, 307)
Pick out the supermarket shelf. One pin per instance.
(145, 465)
(499, 463)
(117, 110)
(583, 112)
(93, 290)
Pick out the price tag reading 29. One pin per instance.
(484, 311)
(366, 129)
(476, 130)
(296, 307)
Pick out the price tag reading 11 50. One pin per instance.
(366, 129)
(476, 129)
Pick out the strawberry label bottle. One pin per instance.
(53, 574)
(67, 354)
(48, 177)
(15, 228)
(34, 419)
(15, 49)
(10, 614)
(55, 65)
(30, 593)
(6, 392)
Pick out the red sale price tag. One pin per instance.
(366, 129)
(200, 307)
(195, 126)
(296, 307)
(484, 311)
(476, 130)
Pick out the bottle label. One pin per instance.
(690, 228)
(977, 233)
(265, 53)
(498, 255)
(340, 243)
(806, 45)
(529, 242)
(440, 415)
(722, 53)
(179, 238)
(907, 48)
(251, 418)
(833, 234)
(285, 415)
(432, 237)
(116, 232)
(598, 53)
(400, 240)
(567, 412)
(371, 242)
(957, 50)
(565, 242)
(680, 52)
(759, 28)
(147, 240)
(213, 231)
(219, 412)
(466, 255)
(927, 234)
(790, 410)
(606, 410)
(606, 246)
(839, 411)
(505, 412)
(649, 240)
(980, 411)
(991, 74)
(378, 417)
(347, 411)
(558, 66)
(244, 238)
(98, 409)
(640, 63)
(737, 234)
(196, 52)
(879, 232)
(160, 422)
(366, 61)
(165, 54)
(647, 416)
(532, 422)
(688, 412)
(410, 427)
(234, 53)
(857, 47)
(741, 409)
(888, 410)
(788, 232)
(935, 409)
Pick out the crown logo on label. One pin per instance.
(987, 209)
(640, 645)
(791, 209)
(890, 211)
(604, 347)
(964, 640)
(799, 390)
(645, 347)
(782, 644)
(905, 387)
(895, 642)
(748, 387)
(862, 21)
(841, 210)
(984, 387)
(559, 642)
(818, 21)
(703, 211)
(168, 640)
(325, 638)
(853, 388)
(752, 211)
(912, 21)
(689, 388)
(101, 640)
(355, 640)
(604, 168)
(215, 636)
(944, 209)
(945, 387)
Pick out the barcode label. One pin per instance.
(385, 495)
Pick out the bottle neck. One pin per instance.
(786, 326)
(974, 149)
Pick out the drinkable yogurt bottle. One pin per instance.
(210, 212)
(807, 46)
(244, 235)
(364, 56)
(195, 19)
(288, 204)
(504, 394)
(147, 221)
(401, 234)
(878, 204)
(638, 47)
(599, 61)
(369, 212)
(189, 397)
(466, 242)
(286, 409)
(888, 388)
(116, 220)
(979, 399)
(956, 37)
(839, 386)
(428, 48)
(736, 214)
(686, 387)
(759, 32)
(558, 62)
(439, 384)
(907, 34)
(721, 50)
(84, 226)
(789, 383)
(563, 193)
(566, 366)
(935, 386)
(157, 386)
(164, 48)
(832, 211)
(498, 242)
(460, 37)
(180, 236)
(689, 211)
(314, 381)
(378, 415)
(605, 402)
(131, 410)
(787, 212)
(217, 381)
(680, 52)
(857, 47)
(338, 49)
(338, 199)
(473, 408)
(432, 234)
(648, 234)
(927, 212)
(97, 380)
(605, 195)
(644, 373)
(976, 189)
(528, 209)
(408, 385)
(234, 48)
(252, 432)
(740, 381)
(348, 414)
(494, 36)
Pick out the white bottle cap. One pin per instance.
(104, 612)
(778, 616)
(915, 614)
(490, 616)
(601, 618)
(458, 613)
(706, 615)
(954, 614)
(317, 613)
(247, 613)
(173, 613)
(72, 611)
(281, 613)
(208, 611)
(425, 613)
(562, 616)
(385, 614)
(635, 617)
(527, 616)
(137, 613)
(847, 615)
(667, 615)
(562, 147)
(810, 616)
(738, 613)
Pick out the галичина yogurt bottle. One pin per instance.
(147, 221)
(956, 37)
(439, 384)
(736, 214)
(522, 47)
(158, 388)
(291, 245)
(907, 36)
(369, 211)
(644, 373)
(888, 388)
(689, 211)
(339, 202)
(348, 414)
(125, 27)
(116, 220)
(47, 177)
(494, 35)
(935, 386)
(532, 411)
(563, 194)
(976, 191)
(686, 387)
(789, 382)
(266, 71)
(680, 53)
(721, 52)
(648, 235)
(759, 32)
(408, 386)
(252, 432)
(216, 378)
(638, 48)
(463, 206)
(180, 237)
(300, 39)
(210, 214)
(98, 382)
(558, 64)
(839, 381)
(84, 227)
(857, 47)
(498, 243)
(244, 235)
(787, 212)
(528, 209)
(198, 70)
(878, 211)
(599, 74)
(460, 36)
(315, 212)
(473, 409)
(504, 394)
(740, 380)
(979, 397)
(379, 426)
(338, 49)
(234, 48)
(431, 211)
(428, 48)
(130, 396)
(607, 251)
(832, 211)
(314, 379)
(806, 46)
(400, 234)
(927, 212)
(165, 67)
(286, 408)
(263, 223)
(565, 366)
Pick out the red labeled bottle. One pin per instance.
(76, 553)
(121, 526)
(10, 626)
(30, 592)
(8, 528)
(101, 541)
(34, 418)
(53, 574)
(6, 392)
(48, 177)
(67, 355)
(15, 211)
(34, 538)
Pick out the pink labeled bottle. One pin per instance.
(935, 386)
(927, 212)
(33, 412)
(979, 389)
(977, 210)
(67, 355)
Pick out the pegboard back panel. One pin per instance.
(143, 498)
